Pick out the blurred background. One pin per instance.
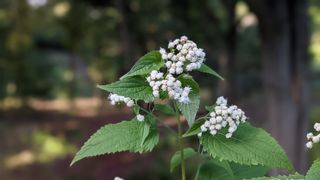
(53, 53)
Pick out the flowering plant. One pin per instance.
(231, 148)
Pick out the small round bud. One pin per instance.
(130, 103)
(228, 135)
(309, 145)
(140, 117)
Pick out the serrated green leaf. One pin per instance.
(147, 63)
(290, 177)
(244, 172)
(195, 128)
(247, 146)
(206, 69)
(123, 136)
(165, 109)
(222, 170)
(176, 158)
(135, 87)
(215, 169)
(314, 171)
(146, 130)
(190, 110)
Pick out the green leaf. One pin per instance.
(133, 87)
(246, 172)
(190, 110)
(123, 136)
(136, 109)
(314, 171)
(206, 69)
(290, 177)
(210, 108)
(195, 128)
(176, 158)
(187, 80)
(247, 146)
(222, 170)
(215, 169)
(147, 63)
(146, 131)
(165, 109)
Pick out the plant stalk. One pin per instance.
(180, 143)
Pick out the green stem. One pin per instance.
(180, 143)
(161, 122)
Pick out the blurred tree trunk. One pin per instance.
(126, 45)
(230, 39)
(284, 34)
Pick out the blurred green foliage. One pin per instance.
(61, 49)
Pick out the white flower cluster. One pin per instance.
(182, 53)
(313, 138)
(115, 99)
(170, 84)
(223, 116)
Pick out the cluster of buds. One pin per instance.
(117, 99)
(182, 53)
(313, 138)
(223, 116)
(168, 84)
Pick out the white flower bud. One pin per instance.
(203, 128)
(162, 51)
(155, 93)
(168, 64)
(118, 178)
(130, 103)
(207, 124)
(218, 126)
(164, 56)
(228, 135)
(140, 117)
(219, 119)
(172, 70)
(171, 45)
(179, 64)
(213, 132)
(315, 139)
(224, 123)
(309, 145)
(213, 120)
(152, 83)
(212, 127)
(179, 70)
(179, 47)
(309, 136)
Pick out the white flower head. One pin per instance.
(313, 138)
(224, 116)
(185, 52)
(117, 99)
